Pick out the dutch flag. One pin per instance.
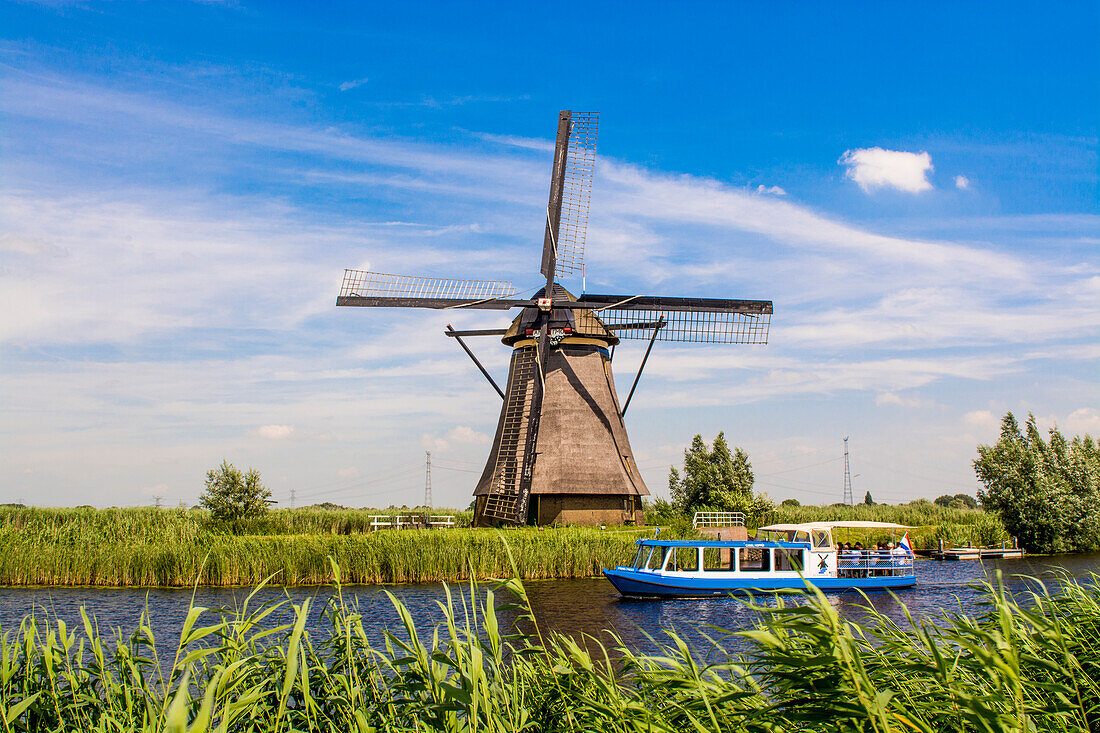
(904, 544)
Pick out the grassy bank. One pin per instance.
(1031, 666)
(151, 547)
(174, 547)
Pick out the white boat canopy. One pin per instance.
(808, 526)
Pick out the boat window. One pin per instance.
(754, 559)
(656, 558)
(789, 560)
(718, 558)
(643, 555)
(683, 558)
(821, 538)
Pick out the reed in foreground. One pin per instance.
(1020, 665)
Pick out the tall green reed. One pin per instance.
(151, 547)
(1018, 664)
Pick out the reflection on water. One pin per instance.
(575, 607)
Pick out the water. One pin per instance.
(575, 607)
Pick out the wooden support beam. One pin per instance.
(658, 326)
(457, 337)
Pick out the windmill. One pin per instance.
(560, 439)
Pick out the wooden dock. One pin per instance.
(976, 553)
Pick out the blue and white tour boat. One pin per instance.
(781, 556)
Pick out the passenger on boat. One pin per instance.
(881, 559)
(899, 555)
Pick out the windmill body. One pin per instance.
(584, 469)
(560, 452)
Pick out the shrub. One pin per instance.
(233, 497)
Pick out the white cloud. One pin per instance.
(275, 432)
(982, 419)
(1085, 420)
(894, 400)
(353, 83)
(773, 190)
(962, 182)
(458, 435)
(467, 436)
(874, 168)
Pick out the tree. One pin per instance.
(232, 496)
(967, 501)
(867, 499)
(791, 502)
(958, 501)
(717, 479)
(1047, 492)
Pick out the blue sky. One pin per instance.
(914, 185)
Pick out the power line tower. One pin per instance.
(157, 499)
(428, 478)
(847, 476)
(292, 498)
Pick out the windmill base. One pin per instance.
(586, 510)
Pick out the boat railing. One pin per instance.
(718, 519)
(873, 563)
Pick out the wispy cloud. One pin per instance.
(352, 84)
(205, 312)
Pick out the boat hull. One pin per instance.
(630, 582)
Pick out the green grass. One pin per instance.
(1015, 666)
(169, 547)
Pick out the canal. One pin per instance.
(574, 607)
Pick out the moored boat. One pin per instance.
(783, 556)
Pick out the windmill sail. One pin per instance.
(694, 320)
(382, 290)
(580, 169)
(570, 193)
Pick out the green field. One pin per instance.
(176, 547)
(1016, 666)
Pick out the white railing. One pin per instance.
(718, 519)
(410, 521)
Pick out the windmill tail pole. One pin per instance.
(660, 325)
(451, 332)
